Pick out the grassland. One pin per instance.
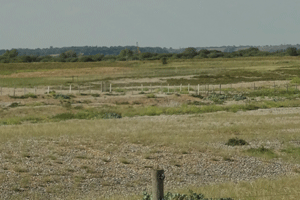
(66, 146)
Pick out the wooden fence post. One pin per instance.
(70, 90)
(180, 87)
(158, 177)
(1, 91)
(198, 89)
(220, 88)
(48, 90)
(188, 87)
(101, 86)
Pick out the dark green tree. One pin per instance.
(11, 54)
(291, 51)
(190, 52)
(126, 53)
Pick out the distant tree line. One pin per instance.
(13, 56)
(87, 50)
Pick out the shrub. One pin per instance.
(26, 96)
(164, 61)
(236, 142)
(95, 95)
(151, 95)
(62, 96)
(239, 97)
(111, 116)
(217, 98)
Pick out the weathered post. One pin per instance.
(70, 90)
(198, 89)
(220, 88)
(180, 87)
(158, 177)
(101, 86)
(48, 90)
(189, 88)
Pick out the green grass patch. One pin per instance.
(26, 96)
(262, 152)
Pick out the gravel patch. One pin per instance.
(54, 169)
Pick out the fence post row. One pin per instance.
(158, 177)
(152, 89)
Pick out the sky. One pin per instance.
(152, 23)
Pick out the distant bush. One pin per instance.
(112, 116)
(164, 61)
(238, 97)
(62, 96)
(236, 142)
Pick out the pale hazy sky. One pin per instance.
(163, 23)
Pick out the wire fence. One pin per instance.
(156, 88)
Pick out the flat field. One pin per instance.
(241, 140)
